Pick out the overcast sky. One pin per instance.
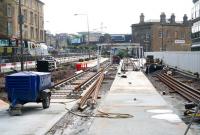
(116, 15)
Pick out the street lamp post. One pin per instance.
(162, 37)
(88, 30)
(20, 21)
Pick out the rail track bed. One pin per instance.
(79, 122)
(188, 92)
(74, 86)
(178, 90)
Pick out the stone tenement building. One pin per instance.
(7, 18)
(33, 27)
(196, 26)
(163, 35)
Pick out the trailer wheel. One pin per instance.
(46, 101)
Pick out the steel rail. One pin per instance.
(188, 92)
(77, 88)
(96, 91)
(71, 77)
(74, 92)
(75, 75)
(195, 90)
(87, 95)
(93, 91)
(187, 89)
(181, 86)
(179, 90)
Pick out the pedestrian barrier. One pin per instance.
(7, 67)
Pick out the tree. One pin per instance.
(122, 54)
(106, 38)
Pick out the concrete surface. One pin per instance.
(34, 119)
(135, 95)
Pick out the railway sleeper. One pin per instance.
(74, 95)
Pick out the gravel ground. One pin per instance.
(74, 125)
(174, 99)
(63, 72)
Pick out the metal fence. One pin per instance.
(186, 61)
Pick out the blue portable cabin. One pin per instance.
(26, 86)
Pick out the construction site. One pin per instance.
(101, 96)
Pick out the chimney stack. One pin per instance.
(162, 18)
(142, 18)
(185, 19)
(172, 20)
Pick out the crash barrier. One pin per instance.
(7, 67)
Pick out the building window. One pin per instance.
(25, 16)
(41, 35)
(30, 3)
(31, 18)
(197, 10)
(22, 1)
(9, 10)
(25, 32)
(37, 6)
(36, 20)
(41, 22)
(40, 8)
(32, 33)
(198, 25)
(10, 29)
(167, 34)
(147, 35)
(25, 2)
(160, 34)
(182, 35)
(33, 4)
(37, 34)
(176, 35)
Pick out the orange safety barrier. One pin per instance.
(81, 66)
(84, 66)
(78, 66)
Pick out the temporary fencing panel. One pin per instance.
(187, 61)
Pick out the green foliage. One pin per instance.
(72, 66)
(122, 53)
(87, 59)
(81, 60)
